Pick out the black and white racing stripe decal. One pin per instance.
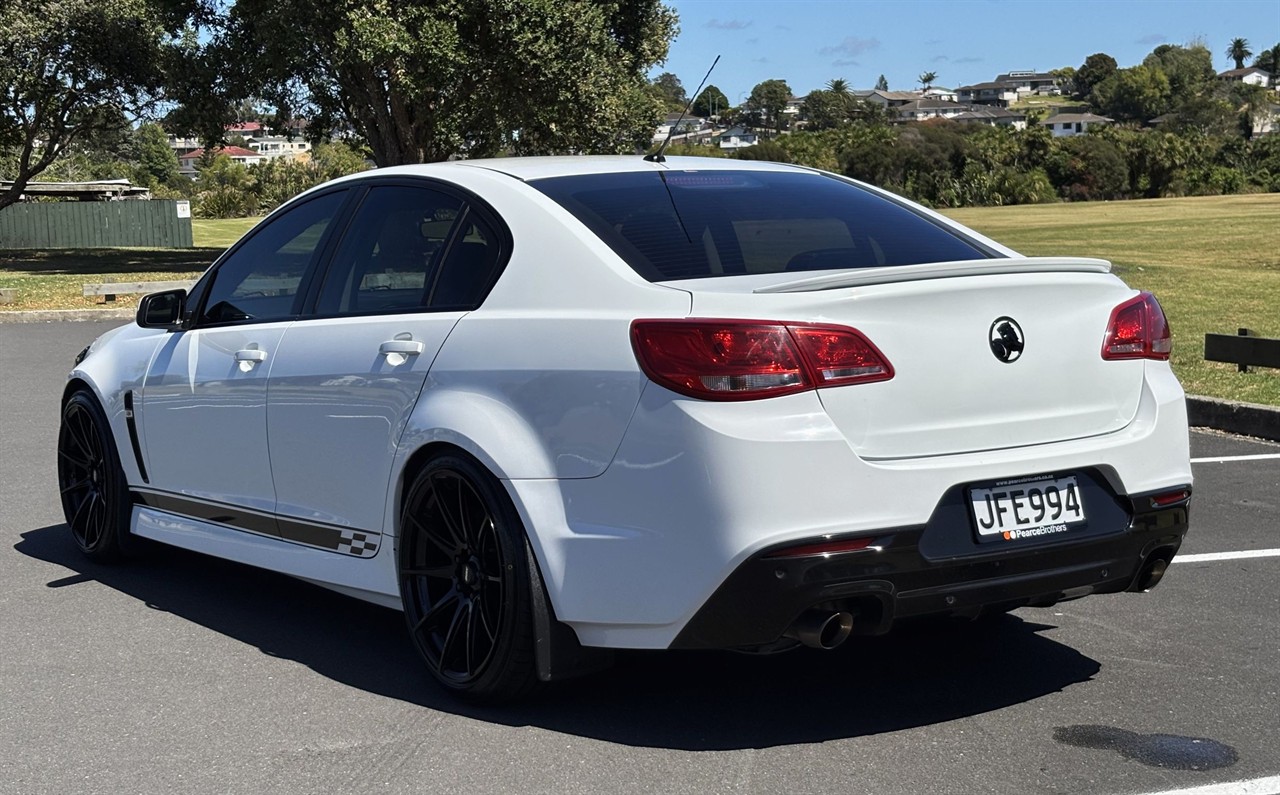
(344, 540)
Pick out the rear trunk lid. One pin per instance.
(1043, 380)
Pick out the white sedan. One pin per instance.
(552, 407)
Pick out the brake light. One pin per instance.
(1138, 330)
(750, 359)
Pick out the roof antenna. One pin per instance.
(657, 157)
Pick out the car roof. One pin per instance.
(533, 168)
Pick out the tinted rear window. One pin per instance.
(695, 224)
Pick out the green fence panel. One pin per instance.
(158, 223)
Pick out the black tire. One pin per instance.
(464, 581)
(95, 496)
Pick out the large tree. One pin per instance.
(768, 100)
(1239, 51)
(1137, 94)
(671, 91)
(926, 79)
(1269, 61)
(711, 102)
(426, 80)
(1189, 69)
(69, 69)
(1094, 70)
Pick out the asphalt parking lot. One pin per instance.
(180, 673)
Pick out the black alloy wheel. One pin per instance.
(464, 581)
(95, 497)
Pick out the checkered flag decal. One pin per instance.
(359, 544)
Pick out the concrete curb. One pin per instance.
(1246, 419)
(52, 315)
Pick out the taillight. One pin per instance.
(1138, 330)
(749, 359)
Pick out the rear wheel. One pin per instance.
(464, 580)
(95, 496)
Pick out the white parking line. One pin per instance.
(1208, 556)
(1225, 458)
(1253, 786)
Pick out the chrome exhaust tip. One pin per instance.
(1153, 574)
(822, 629)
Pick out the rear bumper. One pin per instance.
(901, 576)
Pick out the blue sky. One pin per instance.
(808, 42)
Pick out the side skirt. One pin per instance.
(370, 579)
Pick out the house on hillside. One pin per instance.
(889, 99)
(1251, 75)
(1065, 125)
(1030, 82)
(683, 126)
(737, 138)
(938, 92)
(992, 116)
(274, 146)
(921, 109)
(794, 104)
(993, 93)
(187, 163)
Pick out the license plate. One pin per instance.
(1019, 510)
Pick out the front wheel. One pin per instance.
(95, 496)
(464, 581)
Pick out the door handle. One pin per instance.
(407, 347)
(249, 358)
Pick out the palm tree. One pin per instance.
(1238, 51)
(927, 79)
(838, 86)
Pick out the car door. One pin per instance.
(346, 378)
(203, 404)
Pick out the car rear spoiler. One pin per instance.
(938, 270)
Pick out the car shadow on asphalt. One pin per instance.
(694, 701)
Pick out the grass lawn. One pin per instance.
(1214, 263)
(54, 278)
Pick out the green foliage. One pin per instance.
(1094, 70)
(927, 78)
(1239, 51)
(826, 109)
(227, 189)
(711, 102)
(155, 164)
(70, 69)
(765, 150)
(421, 80)
(1189, 70)
(1137, 94)
(337, 159)
(882, 84)
(671, 91)
(1088, 168)
(767, 101)
(1269, 61)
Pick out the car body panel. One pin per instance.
(337, 407)
(200, 408)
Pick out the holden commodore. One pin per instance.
(553, 407)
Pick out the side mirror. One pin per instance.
(162, 310)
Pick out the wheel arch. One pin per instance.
(558, 652)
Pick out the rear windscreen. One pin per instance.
(695, 224)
